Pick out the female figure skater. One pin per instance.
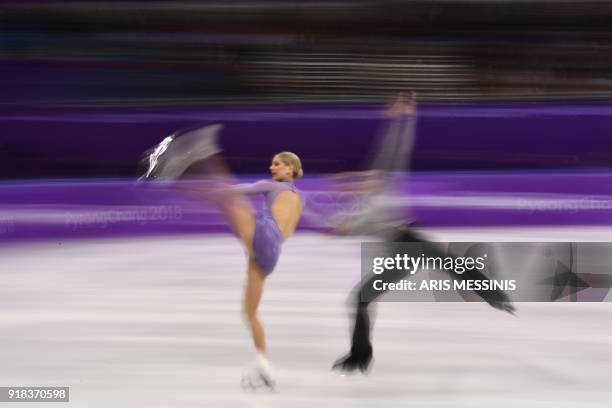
(261, 233)
(263, 236)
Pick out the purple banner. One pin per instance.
(60, 209)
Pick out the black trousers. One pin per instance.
(360, 342)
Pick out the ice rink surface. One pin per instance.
(155, 322)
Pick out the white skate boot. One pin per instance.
(259, 376)
(170, 158)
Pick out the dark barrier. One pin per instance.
(99, 142)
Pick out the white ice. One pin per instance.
(155, 322)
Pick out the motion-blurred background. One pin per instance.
(157, 53)
(514, 117)
(86, 86)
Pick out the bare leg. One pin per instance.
(236, 208)
(252, 297)
(261, 374)
(241, 218)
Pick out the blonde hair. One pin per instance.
(291, 159)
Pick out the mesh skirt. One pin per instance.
(267, 242)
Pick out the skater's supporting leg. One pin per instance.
(252, 297)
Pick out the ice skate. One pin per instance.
(170, 158)
(258, 377)
(357, 359)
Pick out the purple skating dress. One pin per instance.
(268, 238)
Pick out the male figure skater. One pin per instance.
(382, 217)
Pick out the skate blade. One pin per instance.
(349, 366)
(260, 382)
